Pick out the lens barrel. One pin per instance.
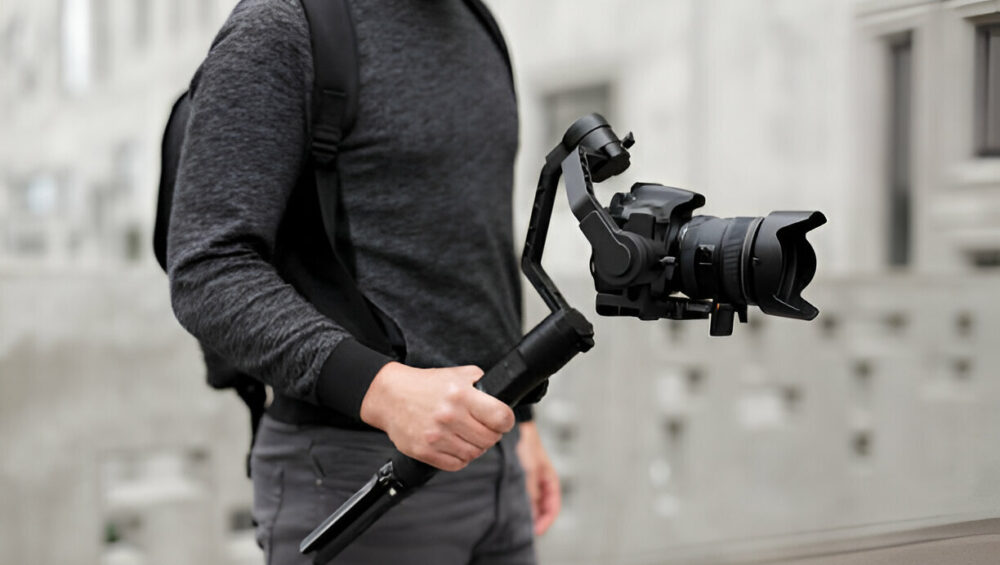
(763, 261)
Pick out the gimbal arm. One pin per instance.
(539, 355)
(589, 150)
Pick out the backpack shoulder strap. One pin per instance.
(490, 23)
(170, 157)
(334, 109)
(335, 71)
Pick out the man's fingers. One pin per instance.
(492, 413)
(446, 462)
(438, 459)
(478, 434)
(463, 450)
(487, 410)
(549, 503)
(534, 495)
(449, 453)
(451, 443)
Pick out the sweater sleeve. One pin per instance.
(245, 146)
(524, 414)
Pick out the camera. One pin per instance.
(653, 259)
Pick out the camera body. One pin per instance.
(731, 262)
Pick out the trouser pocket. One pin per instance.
(345, 462)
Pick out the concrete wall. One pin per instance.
(679, 446)
(107, 423)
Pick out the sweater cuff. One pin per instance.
(346, 375)
(523, 413)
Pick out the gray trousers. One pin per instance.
(301, 474)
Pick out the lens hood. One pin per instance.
(783, 262)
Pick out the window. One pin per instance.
(12, 41)
(206, 13)
(176, 17)
(75, 44)
(101, 38)
(899, 138)
(128, 167)
(241, 520)
(987, 112)
(35, 209)
(16, 58)
(32, 243)
(141, 23)
(133, 244)
(40, 196)
(985, 258)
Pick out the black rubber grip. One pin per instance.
(501, 381)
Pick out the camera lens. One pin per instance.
(763, 261)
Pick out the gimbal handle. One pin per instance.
(539, 355)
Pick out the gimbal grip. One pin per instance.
(501, 382)
(545, 350)
(536, 358)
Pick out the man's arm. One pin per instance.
(245, 147)
(541, 479)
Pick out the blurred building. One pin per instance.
(878, 415)
(673, 446)
(114, 451)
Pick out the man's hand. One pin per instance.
(541, 478)
(436, 415)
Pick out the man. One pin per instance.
(426, 175)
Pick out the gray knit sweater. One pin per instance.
(426, 182)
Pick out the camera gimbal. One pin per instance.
(646, 248)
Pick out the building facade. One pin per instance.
(673, 446)
(678, 447)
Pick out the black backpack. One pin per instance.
(335, 104)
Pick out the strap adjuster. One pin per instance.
(327, 126)
(325, 145)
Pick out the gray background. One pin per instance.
(673, 447)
